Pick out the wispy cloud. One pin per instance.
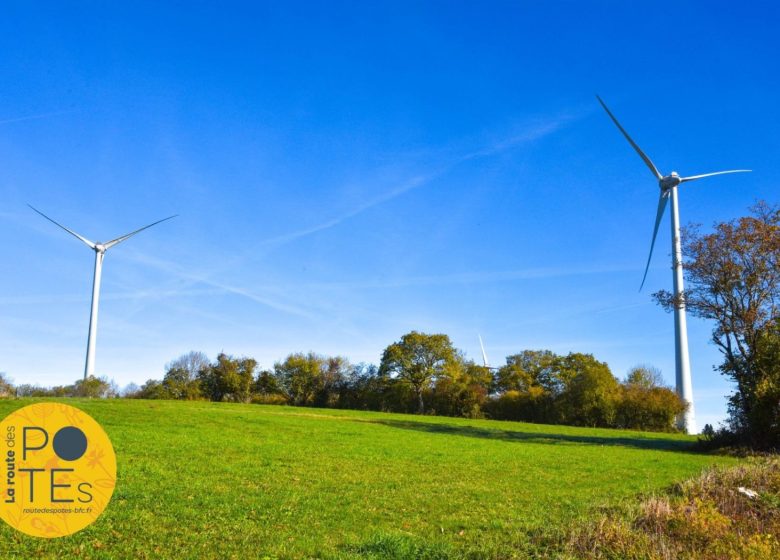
(270, 300)
(578, 344)
(206, 282)
(409, 185)
(151, 294)
(188, 287)
(480, 277)
(270, 296)
(36, 117)
(531, 134)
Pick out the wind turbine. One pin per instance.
(485, 362)
(100, 250)
(668, 185)
(484, 354)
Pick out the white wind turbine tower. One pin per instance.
(668, 185)
(100, 250)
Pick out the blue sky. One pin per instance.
(347, 172)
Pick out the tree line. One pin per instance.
(425, 374)
(732, 279)
(91, 387)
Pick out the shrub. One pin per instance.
(591, 396)
(277, 398)
(228, 379)
(6, 388)
(533, 405)
(653, 408)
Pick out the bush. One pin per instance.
(533, 405)
(591, 396)
(94, 388)
(228, 379)
(152, 389)
(649, 408)
(277, 399)
(6, 388)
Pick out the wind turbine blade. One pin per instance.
(84, 240)
(484, 355)
(695, 177)
(119, 240)
(646, 159)
(662, 200)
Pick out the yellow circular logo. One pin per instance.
(58, 470)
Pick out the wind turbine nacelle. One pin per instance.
(671, 180)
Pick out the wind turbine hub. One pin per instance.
(671, 180)
(100, 248)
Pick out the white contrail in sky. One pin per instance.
(207, 279)
(398, 191)
(36, 117)
(532, 134)
(268, 296)
(272, 300)
(478, 277)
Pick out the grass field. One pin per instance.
(213, 480)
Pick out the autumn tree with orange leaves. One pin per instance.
(733, 279)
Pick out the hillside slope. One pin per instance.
(214, 480)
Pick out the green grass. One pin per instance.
(213, 480)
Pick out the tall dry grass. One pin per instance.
(715, 516)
